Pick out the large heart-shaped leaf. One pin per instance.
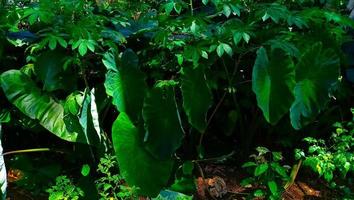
(127, 86)
(50, 70)
(138, 167)
(21, 91)
(273, 81)
(89, 119)
(316, 74)
(163, 130)
(196, 97)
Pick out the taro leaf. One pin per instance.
(94, 113)
(184, 185)
(89, 119)
(143, 171)
(109, 61)
(273, 82)
(50, 70)
(172, 195)
(127, 86)
(196, 97)
(316, 75)
(5, 116)
(163, 130)
(21, 91)
(349, 73)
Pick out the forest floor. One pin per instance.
(223, 182)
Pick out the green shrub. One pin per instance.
(267, 172)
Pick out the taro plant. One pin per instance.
(165, 68)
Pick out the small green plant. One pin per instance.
(64, 189)
(332, 157)
(111, 184)
(268, 175)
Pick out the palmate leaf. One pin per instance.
(21, 91)
(138, 167)
(196, 97)
(163, 130)
(273, 82)
(316, 74)
(127, 86)
(274, 11)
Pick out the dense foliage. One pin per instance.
(165, 84)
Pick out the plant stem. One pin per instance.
(191, 5)
(30, 151)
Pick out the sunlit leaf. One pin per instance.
(21, 91)
(127, 86)
(138, 167)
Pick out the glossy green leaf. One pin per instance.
(226, 10)
(62, 42)
(195, 89)
(227, 49)
(5, 116)
(188, 167)
(273, 187)
(261, 169)
(127, 86)
(109, 61)
(273, 81)
(163, 130)
(220, 50)
(82, 48)
(73, 103)
(172, 195)
(138, 167)
(185, 185)
(89, 119)
(316, 75)
(85, 170)
(21, 91)
(50, 70)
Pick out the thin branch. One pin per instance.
(191, 5)
(31, 151)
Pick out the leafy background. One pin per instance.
(165, 83)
